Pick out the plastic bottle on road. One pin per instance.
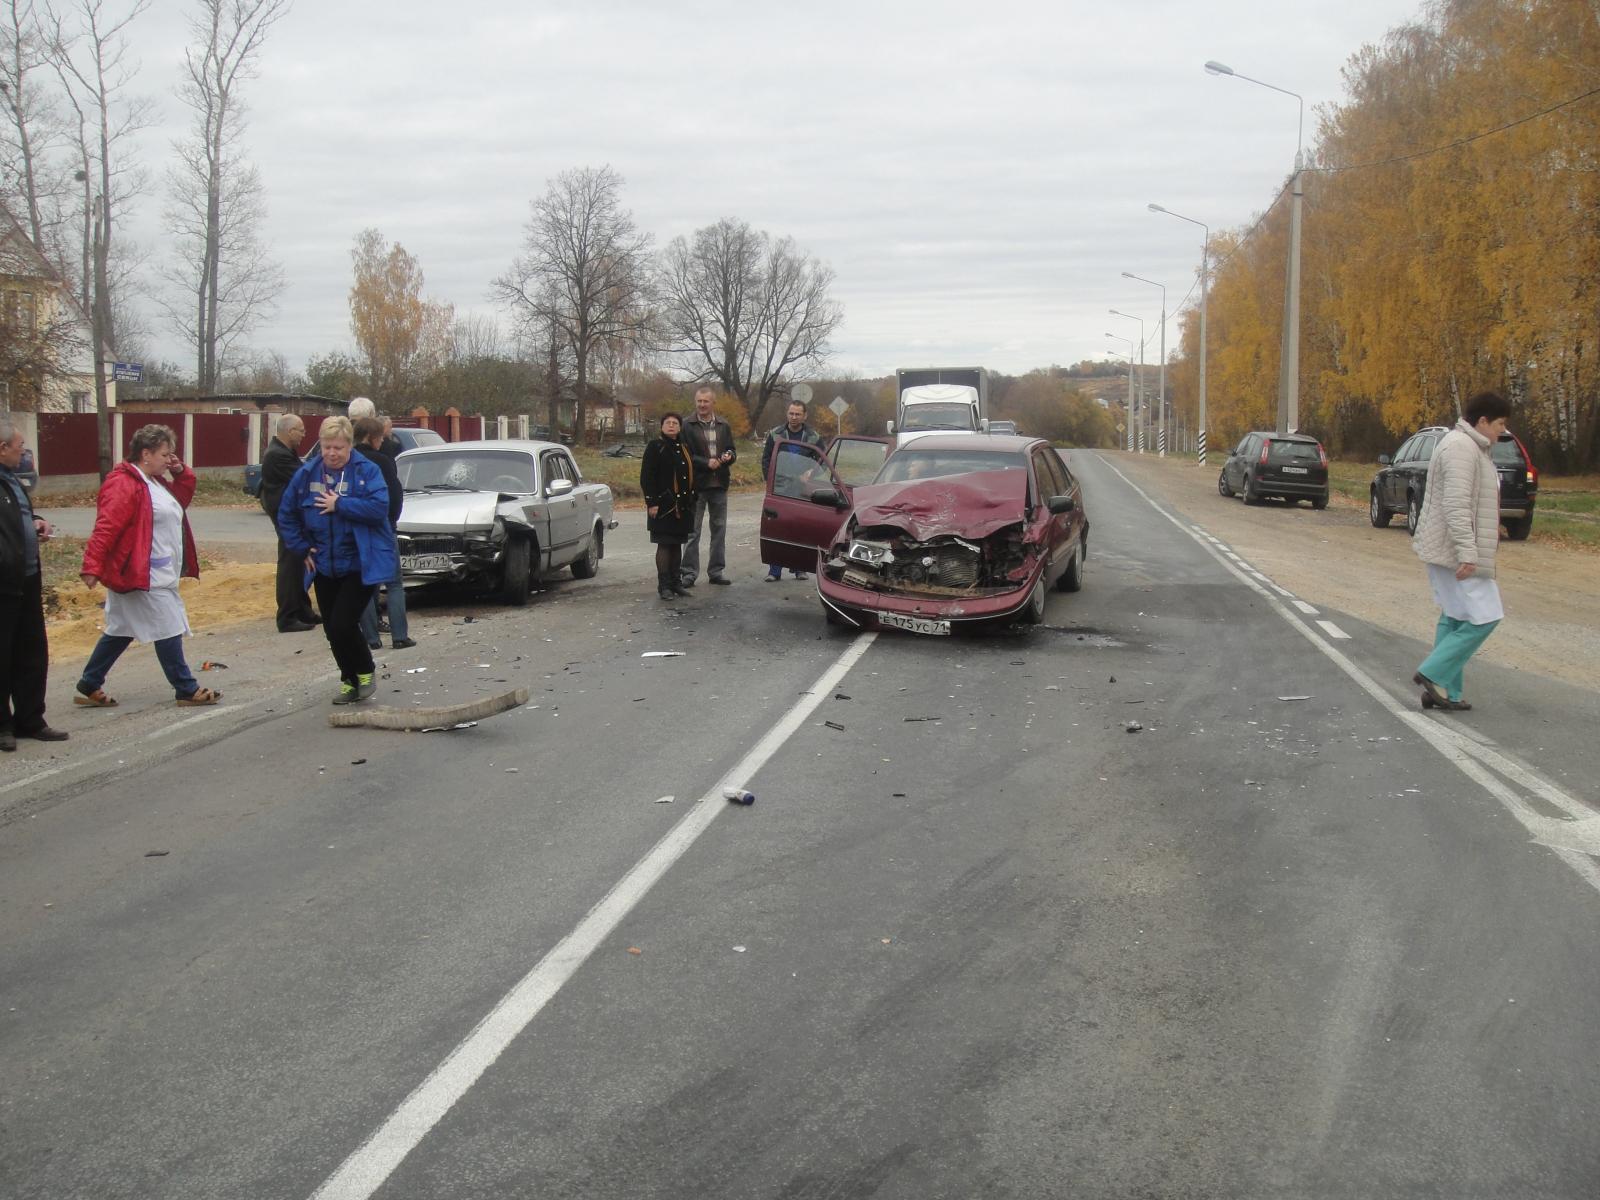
(739, 796)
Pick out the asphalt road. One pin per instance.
(1288, 938)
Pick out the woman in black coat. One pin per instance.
(666, 477)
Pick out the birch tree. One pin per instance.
(224, 280)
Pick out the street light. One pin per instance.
(1205, 250)
(1161, 409)
(1289, 371)
(1144, 409)
(1132, 407)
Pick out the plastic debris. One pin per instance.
(662, 654)
(156, 853)
(415, 670)
(450, 728)
(840, 696)
(914, 720)
(834, 725)
(512, 770)
(738, 949)
(739, 796)
(634, 950)
(1134, 727)
(665, 799)
(213, 666)
(356, 762)
(1294, 697)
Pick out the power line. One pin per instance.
(1399, 158)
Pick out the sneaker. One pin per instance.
(365, 688)
(801, 575)
(721, 580)
(773, 578)
(347, 693)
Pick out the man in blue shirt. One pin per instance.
(24, 653)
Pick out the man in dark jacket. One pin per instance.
(794, 429)
(24, 652)
(278, 466)
(369, 444)
(710, 443)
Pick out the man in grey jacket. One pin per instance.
(710, 443)
(794, 429)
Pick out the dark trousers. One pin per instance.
(342, 599)
(293, 603)
(24, 657)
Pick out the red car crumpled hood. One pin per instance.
(971, 506)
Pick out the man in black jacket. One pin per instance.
(369, 444)
(710, 443)
(24, 652)
(793, 429)
(278, 466)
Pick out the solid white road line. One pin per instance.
(364, 1172)
(1575, 839)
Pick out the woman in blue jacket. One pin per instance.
(335, 515)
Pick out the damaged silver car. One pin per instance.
(499, 515)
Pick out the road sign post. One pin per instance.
(839, 407)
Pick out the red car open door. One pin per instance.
(793, 525)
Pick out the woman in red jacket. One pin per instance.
(140, 546)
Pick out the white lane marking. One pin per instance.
(1282, 591)
(1334, 631)
(1309, 609)
(364, 1172)
(1575, 839)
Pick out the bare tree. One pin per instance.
(746, 309)
(583, 270)
(89, 51)
(33, 125)
(227, 282)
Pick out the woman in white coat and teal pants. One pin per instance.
(1456, 537)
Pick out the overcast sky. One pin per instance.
(975, 173)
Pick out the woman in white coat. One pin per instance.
(1456, 537)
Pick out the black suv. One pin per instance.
(1402, 481)
(1290, 465)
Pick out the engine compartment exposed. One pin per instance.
(884, 558)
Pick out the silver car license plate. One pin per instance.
(916, 624)
(426, 562)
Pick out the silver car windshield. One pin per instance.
(467, 471)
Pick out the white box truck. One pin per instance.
(954, 399)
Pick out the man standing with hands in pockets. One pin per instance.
(710, 442)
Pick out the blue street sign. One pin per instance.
(127, 372)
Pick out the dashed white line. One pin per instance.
(1574, 839)
(364, 1172)
(1334, 631)
(1309, 609)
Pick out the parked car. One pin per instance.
(499, 514)
(1292, 466)
(27, 476)
(953, 531)
(409, 439)
(1402, 481)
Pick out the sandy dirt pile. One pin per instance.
(225, 594)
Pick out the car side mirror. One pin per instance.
(829, 497)
(1384, 460)
(1062, 504)
(558, 487)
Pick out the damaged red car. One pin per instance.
(949, 532)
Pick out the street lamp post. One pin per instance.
(1144, 409)
(1205, 251)
(1289, 371)
(1161, 403)
(1129, 357)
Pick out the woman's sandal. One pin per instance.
(202, 696)
(94, 699)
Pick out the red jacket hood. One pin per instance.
(970, 506)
